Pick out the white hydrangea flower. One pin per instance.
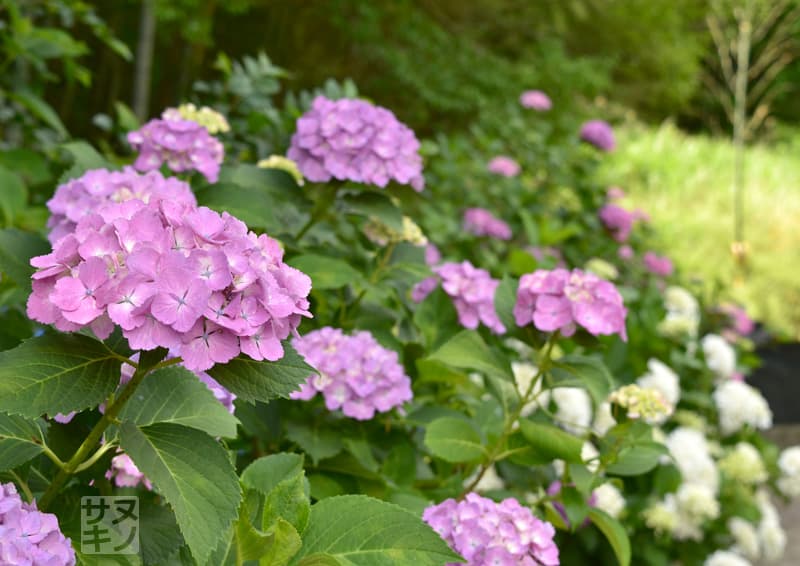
(603, 419)
(740, 404)
(770, 531)
(691, 453)
(744, 464)
(661, 377)
(720, 356)
(725, 558)
(662, 516)
(574, 408)
(746, 538)
(697, 502)
(789, 464)
(609, 499)
(683, 313)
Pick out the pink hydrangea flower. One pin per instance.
(617, 220)
(503, 165)
(124, 473)
(481, 222)
(472, 290)
(432, 255)
(353, 140)
(182, 144)
(625, 252)
(421, 290)
(561, 300)
(599, 134)
(28, 536)
(175, 276)
(535, 100)
(657, 265)
(100, 189)
(356, 374)
(487, 533)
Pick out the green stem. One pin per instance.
(83, 451)
(23, 485)
(497, 449)
(52, 455)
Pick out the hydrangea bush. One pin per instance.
(324, 351)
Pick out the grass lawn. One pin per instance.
(685, 182)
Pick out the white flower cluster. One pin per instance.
(770, 531)
(720, 356)
(745, 536)
(662, 378)
(744, 465)
(740, 404)
(683, 313)
(574, 407)
(789, 464)
(692, 456)
(609, 499)
(725, 558)
(682, 514)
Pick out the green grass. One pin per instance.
(685, 183)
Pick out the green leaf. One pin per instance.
(20, 440)
(505, 297)
(575, 506)
(637, 459)
(84, 156)
(125, 116)
(467, 350)
(16, 250)
(281, 479)
(362, 451)
(285, 543)
(360, 531)
(56, 374)
(319, 560)
(376, 205)
(586, 372)
(40, 109)
(194, 475)
(159, 535)
(550, 442)
(13, 195)
(615, 533)
(253, 380)
(175, 395)
(454, 440)
(248, 204)
(319, 442)
(325, 272)
(436, 318)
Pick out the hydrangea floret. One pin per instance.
(641, 402)
(535, 100)
(481, 222)
(207, 117)
(599, 134)
(617, 220)
(561, 300)
(683, 313)
(184, 145)
(741, 405)
(720, 356)
(356, 373)
(472, 290)
(657, 265)
(28, 536)
(353, 140)
(175, 276)
(504, 166)
(124, 473)
(101, 190)
(486, 533)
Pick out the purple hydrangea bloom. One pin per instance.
(657, 265)
(560, 300)
(625, 252)
(353, 140)
(100, 189)
(175, 276)
(536, 100)
(503, 165)
(356, 374)
(124, 473)
(183, 144)
(618, 221)
(487, 533)
(482, 222)
(432, 254)
(472, 290)
(421, 290)
(29, 537)
(599, 134)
